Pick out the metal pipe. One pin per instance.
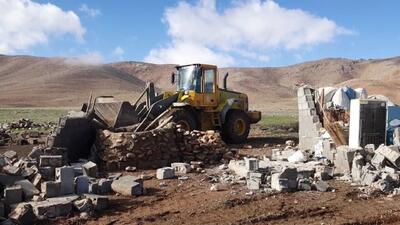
(225, 81)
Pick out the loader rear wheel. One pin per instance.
(185, 118)
(236, 127)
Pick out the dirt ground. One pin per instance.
(191, 201)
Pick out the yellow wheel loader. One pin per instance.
(198, 103)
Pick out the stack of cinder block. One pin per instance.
(44, 185)
(309, 123)
(159, 147)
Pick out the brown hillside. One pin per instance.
(34, 81)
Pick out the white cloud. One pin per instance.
(90, 11)
(245, 29)
(91, 58)
(24, 24)
(118, 52)
(188, 52)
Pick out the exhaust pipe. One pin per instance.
(225, 80)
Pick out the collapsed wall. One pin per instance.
(159, 147)
(309, 122)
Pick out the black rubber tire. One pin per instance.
(185, 116)
(228, 129)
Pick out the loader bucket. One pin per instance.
(115, 114)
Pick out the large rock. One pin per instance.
(128, 185)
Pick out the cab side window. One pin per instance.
(209, 76)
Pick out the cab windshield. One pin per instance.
(189, 78)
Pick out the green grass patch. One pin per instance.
(37, 115)
(279, 120)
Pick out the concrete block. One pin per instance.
(36, 153)
(90, 169)
(48, 173)
(304, 184)
(391, 153)
(54, 207)
(66, 176)
(12, 170)
(181, 168)
(28, 189)
(105, 185)
(37, 180)
(368, 177)
(82, 184)
(3, 161)
(356, 169)
(378, 161)
(321, 186)
(252, 164)
(254, 181)
(100, 202)
(51, 160)
(285, 180)
(128, 185)
(165, 173)
(51, 188)
(343, 159)
(13, 194)
(94, 187)
(238, 166)
(23, 214)
(10, 154)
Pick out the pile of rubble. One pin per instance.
(43, 186)
(159, 147)
(287, 169)
(373, 169)
(23, 132)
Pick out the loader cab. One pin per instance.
(198, 84)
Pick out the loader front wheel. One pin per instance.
(185, 118)
(236, 127)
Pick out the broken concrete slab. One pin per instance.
(321, 186)
(10, 154)
(23, 214)
(128, 185)
(378, 161)
(343, 159)
(391, 153)
(54, 207)
(29, 190)
(12, 170)
(100, 202)
(285, 180)
(181, 168)
(83, 205)
(165, 173)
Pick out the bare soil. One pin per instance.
(191, 201)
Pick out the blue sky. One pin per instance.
(227, 33)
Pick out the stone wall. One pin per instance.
(159, 147)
